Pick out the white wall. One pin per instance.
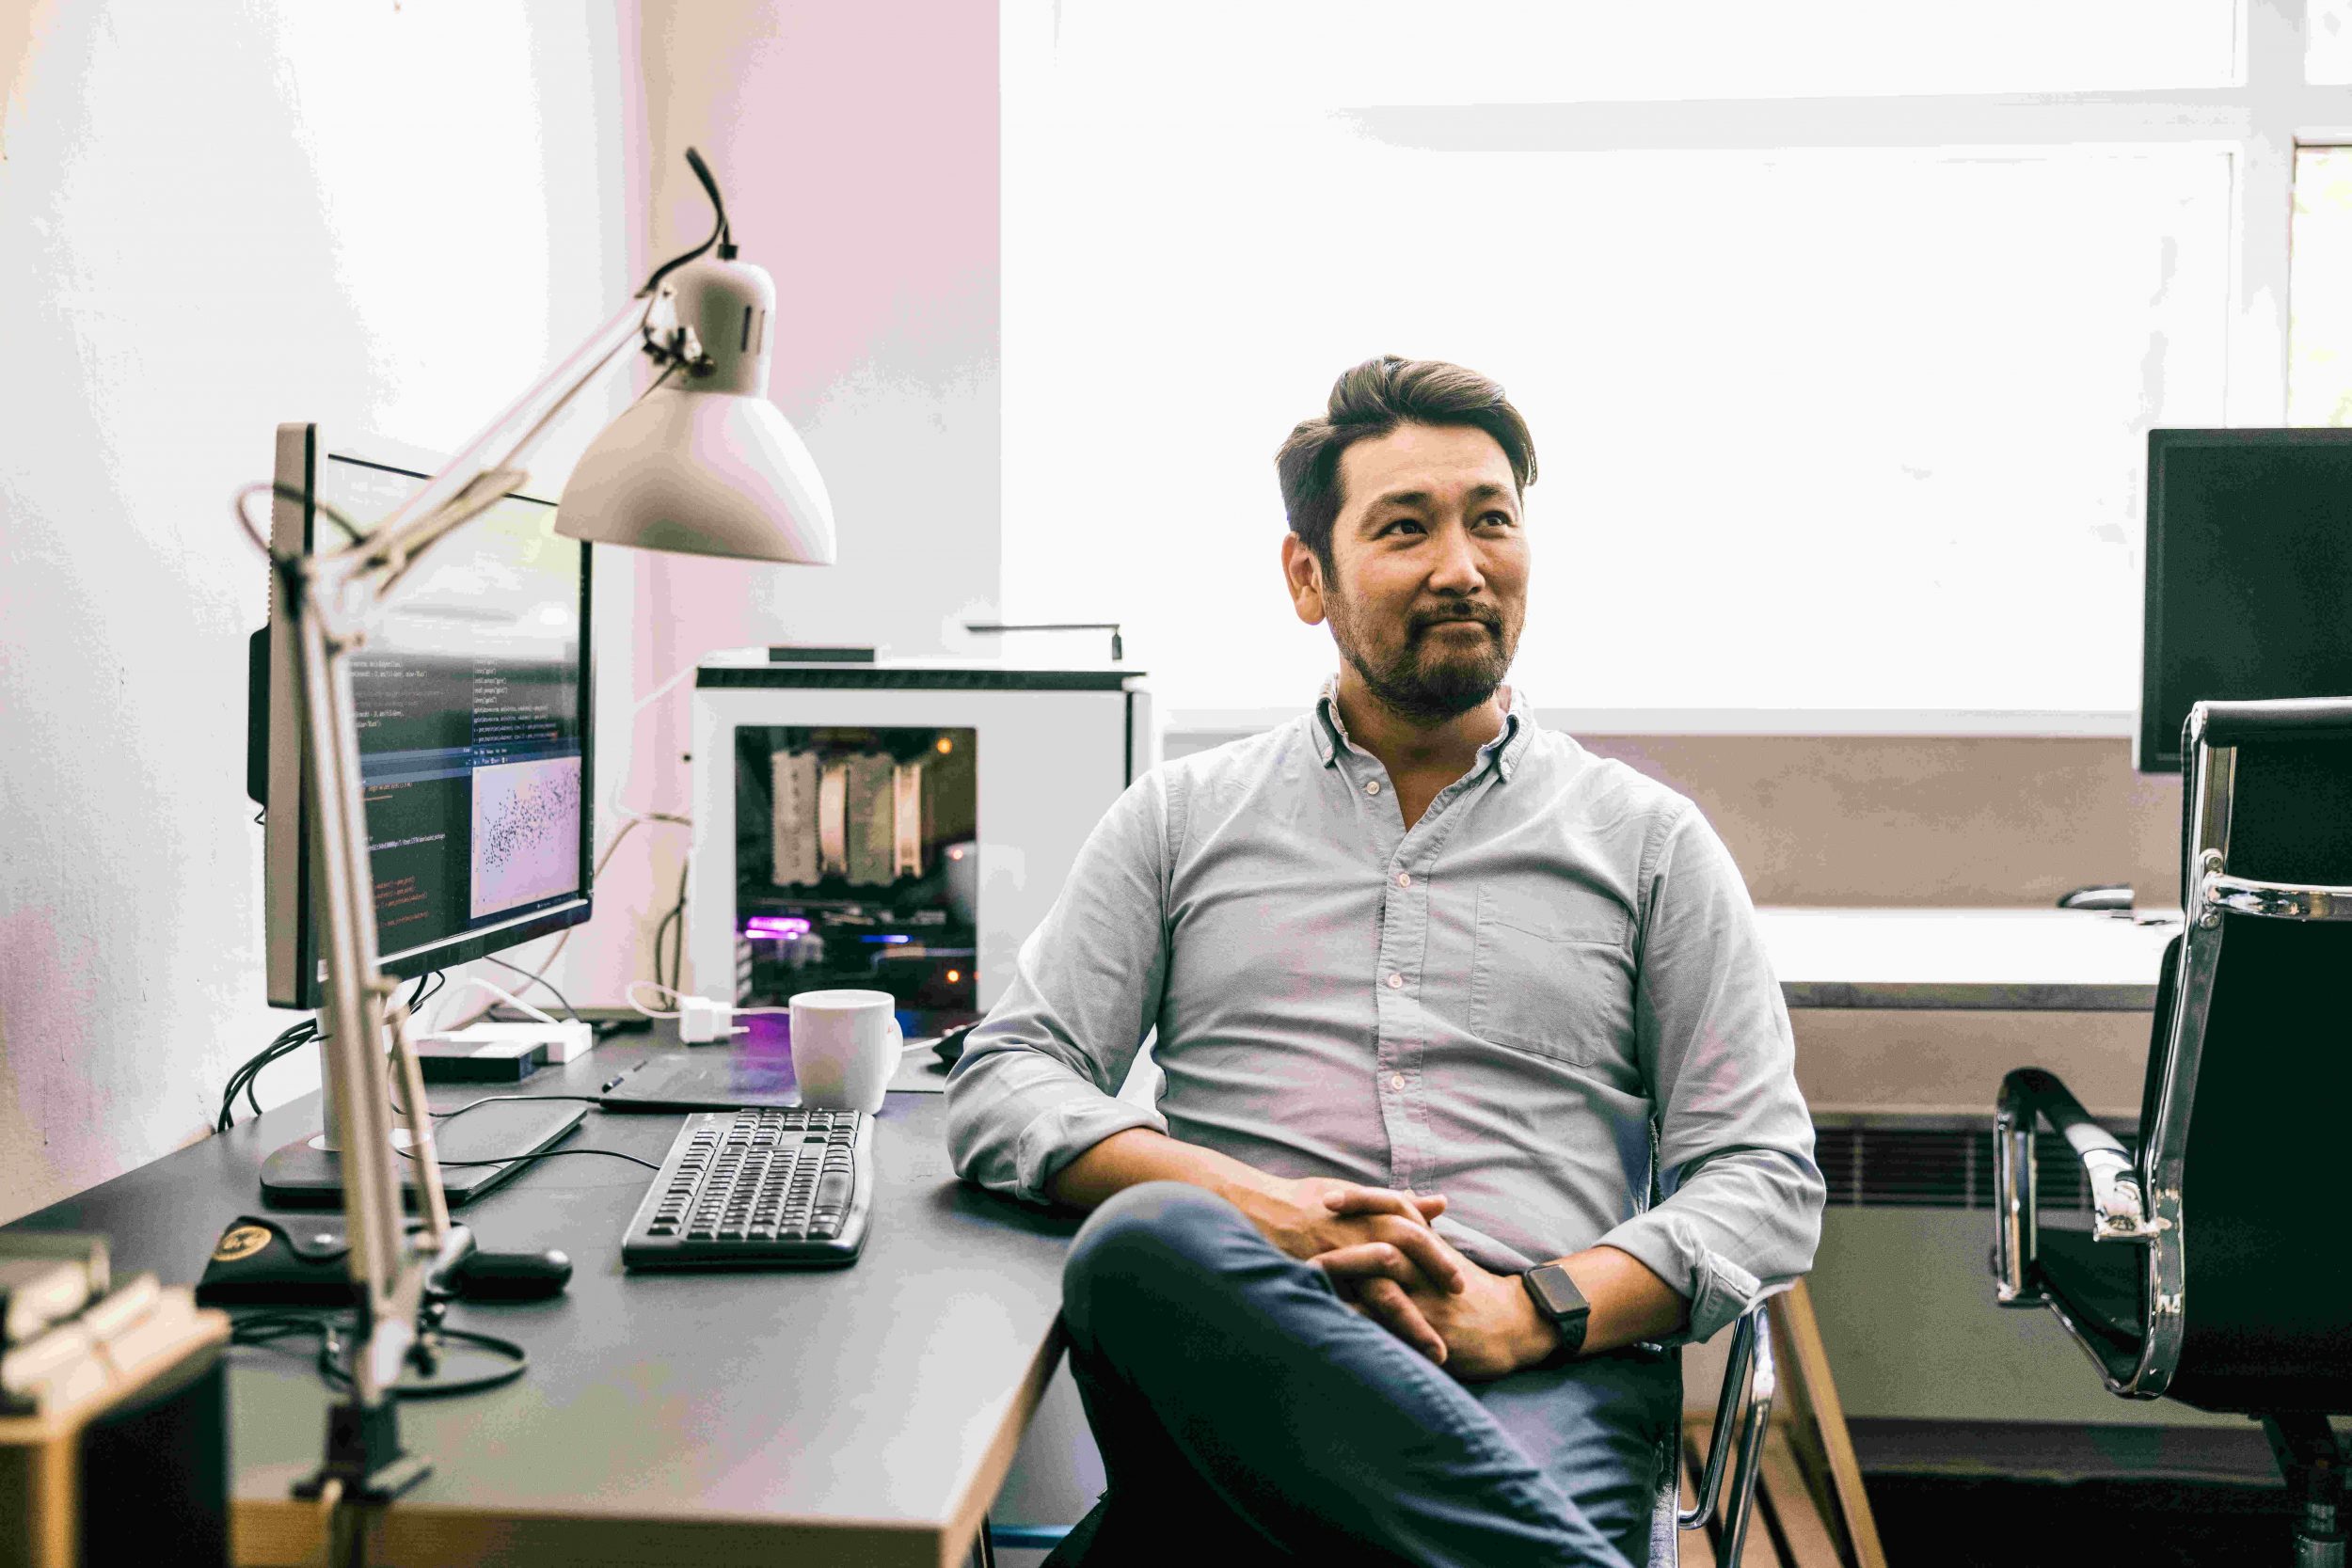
(214, 218)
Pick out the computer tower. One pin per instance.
(894, 824)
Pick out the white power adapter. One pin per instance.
(701, 1021)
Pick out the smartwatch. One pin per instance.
(1561, 1302)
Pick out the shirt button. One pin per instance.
(1396, 982)
(1396, 1081)
(1371, 786)
(1405, 879)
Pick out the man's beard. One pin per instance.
(1413, 683)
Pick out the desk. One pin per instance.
(1906, 1021)
(670, 1418)
(1910, 1015)
(2021, 961)
(863, 1415)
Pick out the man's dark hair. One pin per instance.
(1371, 400)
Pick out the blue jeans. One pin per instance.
(1246, 1414)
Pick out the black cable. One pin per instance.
(543, 1154)
(678, 952)
(541, 980)
(263, 1330)
(720, 234)
(243, 1081)
(446, 1117)
(242, 1078)
(282, 1048)
(662, 935)
(439, 979)
(660, 941)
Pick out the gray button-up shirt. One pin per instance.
(1547, 1000)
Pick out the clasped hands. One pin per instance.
(1378, 1248)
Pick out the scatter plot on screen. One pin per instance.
(526, 833)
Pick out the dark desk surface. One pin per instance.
(857, 1416)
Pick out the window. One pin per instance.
(1838, 347)
(2319, 332)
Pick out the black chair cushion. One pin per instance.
(2269, 1289)
(2101, 1285)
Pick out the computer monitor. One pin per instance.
(473, 699)
(2248, 577)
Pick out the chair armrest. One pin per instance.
(1750, 1379)
(2030, 1094)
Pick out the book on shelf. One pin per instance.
(114, 1340)
(46, 1277)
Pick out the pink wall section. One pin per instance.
(857, 146)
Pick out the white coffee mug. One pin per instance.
(845, 1047)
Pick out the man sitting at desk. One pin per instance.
(1407, 944)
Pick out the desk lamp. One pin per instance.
(701, 463)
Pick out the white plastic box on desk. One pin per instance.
(898, 825)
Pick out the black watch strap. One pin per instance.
(1561, 1302)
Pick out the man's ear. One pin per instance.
(1303, 574)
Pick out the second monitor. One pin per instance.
(472, 697)
(2248, 574)
(475, 746)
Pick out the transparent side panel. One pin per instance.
(857, 865)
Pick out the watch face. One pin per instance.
(1557, 1293)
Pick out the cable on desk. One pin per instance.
(504, 1098)
(543, 1154)
(264, 1330)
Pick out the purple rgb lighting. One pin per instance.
(776, 926)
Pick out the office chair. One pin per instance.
(1750, 1379)
(1749, 1383)
(2214, 1272)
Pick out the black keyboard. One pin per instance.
(784, 1188)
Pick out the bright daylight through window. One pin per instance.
(1839, 325)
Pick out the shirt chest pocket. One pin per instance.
(1554, 981)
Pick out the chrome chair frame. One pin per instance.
(1751, 1381)
(2138, 1201)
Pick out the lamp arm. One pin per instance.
(334, 593)
(471, 481)
(352, 1051)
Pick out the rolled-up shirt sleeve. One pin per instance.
(1740, 1208)
(1038, 1082)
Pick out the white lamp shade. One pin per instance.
(701, 473)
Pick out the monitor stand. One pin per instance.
(305, 1176)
